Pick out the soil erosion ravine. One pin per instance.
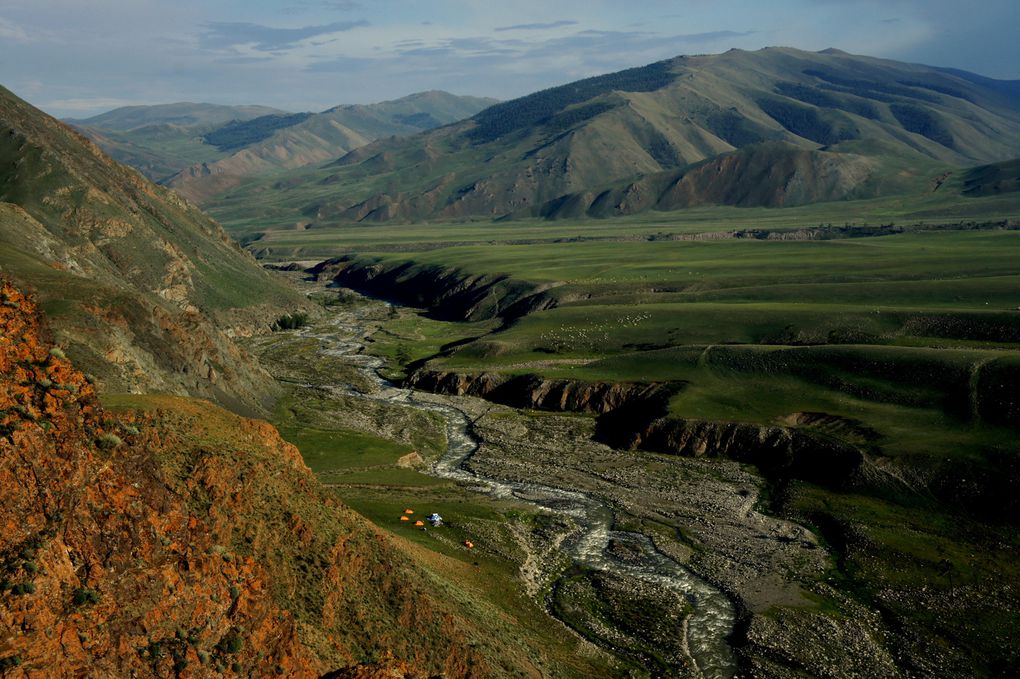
(706, 631)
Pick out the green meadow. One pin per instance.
(900, 333)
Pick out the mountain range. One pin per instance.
(776, 127)
(203, 148)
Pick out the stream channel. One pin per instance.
(705, 631)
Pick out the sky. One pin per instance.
(75, 58)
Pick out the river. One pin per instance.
(707, 629)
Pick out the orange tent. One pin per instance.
(419, 523)
(404, 518)
(469, 544)
(409, 511)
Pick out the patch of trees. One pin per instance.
(734, 129)
(941, 89)
(870, 89)
(923, 122)
(238, 134)
(818, 97)
(423, 120)
(805, 121)
(568, 119)
(501, 119)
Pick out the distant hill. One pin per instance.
(143, 290)
(805, 126)
(162, 140)
(182, 114)
(272, 143)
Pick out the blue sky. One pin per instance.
(80, 57)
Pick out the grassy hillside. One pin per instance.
(301, 140)
(164, 140)
(182, 114)
(143, 289)
(849, 126)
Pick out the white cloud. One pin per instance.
(13, 32)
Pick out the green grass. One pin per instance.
(327, 451)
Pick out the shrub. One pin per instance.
(57, 352)
(231, 643)
(108, 442)
(9, 662)
(84, 596)
(23, 588)
(291, 321)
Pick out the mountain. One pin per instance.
(144, 291)
(181, 114)
(834, 126)
(167, 537)
(272, 143)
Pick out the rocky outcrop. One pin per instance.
(181, 540)
(778, 452)
(449, 294)
(538, 393)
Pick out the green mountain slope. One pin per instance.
(183, 114)
(324, 136)
(898, 123)
(143, 290)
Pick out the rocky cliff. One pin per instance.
(538, 393)
(172, 538)
(448, 293)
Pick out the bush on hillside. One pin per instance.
(290, 321)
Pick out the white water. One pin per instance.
(712, 620)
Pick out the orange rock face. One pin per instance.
(148, 544)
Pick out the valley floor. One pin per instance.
(821, 582)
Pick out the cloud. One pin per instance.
(12, 32)
(222, 34)
(306, 6)
(536, 27)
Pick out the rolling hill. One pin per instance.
(201, 147)
(311, 139)
(802, 126)
(144, 291)
(182, 114)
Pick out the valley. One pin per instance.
(709, 366)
